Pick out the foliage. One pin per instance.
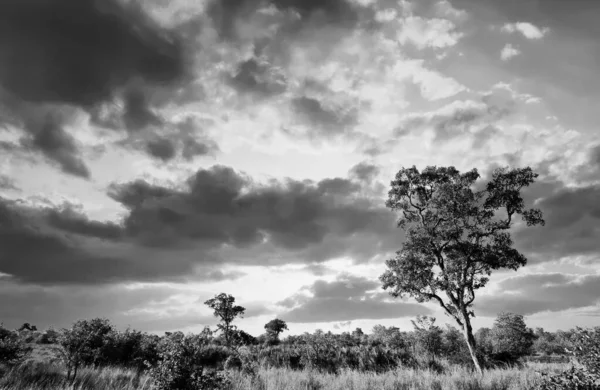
(455, 236)
(182, 365)
(274, 328)
(510, 337)
(586, 353)
(84, 343)
(225, 309)
(428, 336)
(12, 350)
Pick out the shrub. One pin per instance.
(49, 336)
(13, 350)
(182, 365)
(586, 353)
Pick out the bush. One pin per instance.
(182, 365)
(586, 353)
(49, 336)
(13, 350)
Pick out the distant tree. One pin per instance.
(455, 236)
(28, 326)
(275, 327)
(548, 343)
(511, 337)
(224, 308)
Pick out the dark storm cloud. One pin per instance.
(572, 218)
(185, 139)
(345, 299)
(217, 217)
(61, 306)
(365, 171)
(81, 53)
(70, 220)
(259, 78)
(221, 206)
(62, 247)
(161, 148)
(530, 294)
(225, 14)
(50, 138)
(320, 119)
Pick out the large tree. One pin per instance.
(456, 235)
(225, 309)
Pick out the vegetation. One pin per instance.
(92, 354)
(455, 236)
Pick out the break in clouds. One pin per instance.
(261, 134)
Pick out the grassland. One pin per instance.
(42, 371)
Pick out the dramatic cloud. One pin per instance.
(220, 206)
(347, 298)
(70, 220)
(572, 218)
(147, 307)
(229, 16)
(459, 118)
(257, 77)
(62, 246)
(322, 120)
(185, 139)
(77, 53)
(531, 294)
(219, 217)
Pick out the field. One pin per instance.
(40, 372)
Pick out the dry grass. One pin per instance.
(404, 379)
(39, 374)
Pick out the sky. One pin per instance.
(156, 153)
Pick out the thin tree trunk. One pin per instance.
(468, 333)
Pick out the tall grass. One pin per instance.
(45, 376)
(455, 378)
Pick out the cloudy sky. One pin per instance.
(155, 153)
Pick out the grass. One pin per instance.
(45, 376)
(43, 371)
(405, 379)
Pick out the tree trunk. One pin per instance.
(468, 332)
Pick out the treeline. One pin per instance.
(175, 359)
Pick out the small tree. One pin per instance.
(84, 343)
(275, 327)
(455, 236)
(511, 339)
(224, 308)
(428, 335)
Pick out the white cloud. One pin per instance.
(528, 30)
(433, 85)
(445, 8)
(508, 52)
(423, 33)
